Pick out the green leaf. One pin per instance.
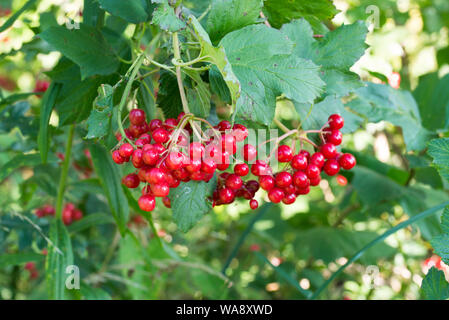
(432, 97)
(217, 56)
(218, 85)
(110, 181)
(20, 160)
(99, 121)
(335, 53)
(198, 96)
(14, 259)
(378, 102)
(16, 15)
(435, 286)
(190, 203)
(46, 109)
(146, 97)
(85, 46)
(229, 15)
(59, 257)
(168, 98)
(282, 11)
(164, 16)
(89, 221)
(134, 11)
(321, 112)
(439, 151)
(445, 221)
(440, 246)
(262, 61)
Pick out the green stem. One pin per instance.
(381, 238)
(177, 55)
(281, 125)
(245, 234)
(64, 172)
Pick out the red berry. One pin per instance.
(312, 171)
(335, 137)
(67, 216)
(155, 124)
(147, 202)
(234, 182)
(137, 116)
(260, 168)
(266, 182)
(160, 135)
(196, 150)
(317, 159)
(150, 156)
(224, 125)
(276, 195)
(160, 189)
(336, 121)
(328, 150)
(289, 198)
(175, 160)
(253, 204)
(77, 215)
(347, 161)
(331, 167)
(194, 165)
(228, 143)
(305, 153)
(341, 180)
(30, 266)
(126, 150)
(170, 123)
(299, 162)
(290, 189)
(300, 179)
(117, 158)
(252, 185)
(241, 169)
(166, 201)
(159, 147)
(240, 132)
(131, 180)
(283, 179)
(315, 181)
(181, 174)
(249, 152)
(284, 153)
(226, 195)
(208, 165)
(137, 159)
(156, 175)
(305, 190)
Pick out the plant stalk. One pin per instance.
(177, 54)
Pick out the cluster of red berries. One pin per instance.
(31, 268)
(45, 210)
(161, 166)
(69, 213)
(302, 170)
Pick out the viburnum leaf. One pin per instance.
(134, 11)
(100, 117)
(198, 96)
(440, 246)
(164, 16)
(435, 286)
(378, 102)
(261, 58)
(282, 11)
(168, 98)
(335, 53)
(439, 151)
(85, 46)
(189, 202)
(229, 15)
(445, 221)
(217, 56)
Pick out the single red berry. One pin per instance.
(160, 135)
(180, 116)
(315, 181)
(126, 150)
(305, 190)
(170, 123)
(284, 153)
(276, 195)
(347, 161)
(175, 160)
(228, 143)
(181, 174)
(249, 152)
(290, 188)
(253, 204)
(224, 125)
(158, 147)
(77, 215)
(312, 171)
(150, 156)
(283, 179)
(260, 168)
(194, 165)
(240, 132)
(335, 137)
(289, 198)
(30, 266)
(156, 175)
(196, 150)
(299, 162)
(208, 165)
(197, 176)
(137, 116)
(234, 182)
(166, 201)
(226, 195)
(147, 202)
(317, 159)
(341, 180)
(252, 185)
(155, 124)
(331, 167)
(241, 169)
(131, 180)
(160, 189)
(336, 122)
(117, 158)
(48, 210)
(300, 179)
(67, 216)
(305, 153)
(266, 182)
(328, 150)
(137, 159)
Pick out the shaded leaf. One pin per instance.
(434, 286)
(164, 16)
(134, 11)
(99, 121)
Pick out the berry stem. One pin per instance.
(177, 55)
(64, 173)
(281, 125)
